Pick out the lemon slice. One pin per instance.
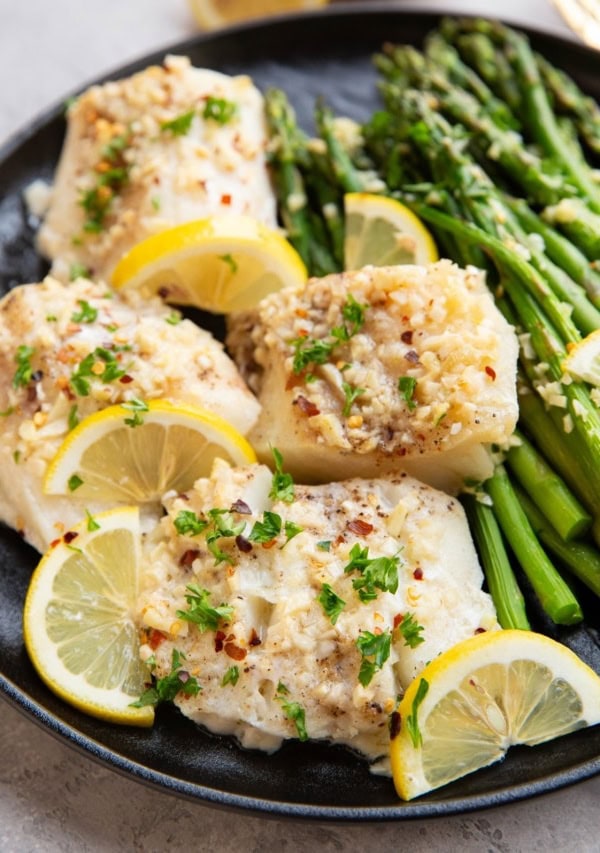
(212, 14)
(78, 622)
(136, 452)
(222, 263)
(383, 232)
(480, 697)
(583, 360)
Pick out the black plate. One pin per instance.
(329, 54)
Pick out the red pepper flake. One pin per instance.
(164, 292)
(188, 557)
(395, 724)
(360, 527)
(254, 638)
(69, 536)
(406, 337)
(54, 543)
(155, 638)
(398, 619)
(125, 380)
(268, 545)
(490, 371)
(306, 407)
(226, 198)
(412, 356)
(219, 641)
(240, 506)
(480, 630)
(235, 652)
(418, 574)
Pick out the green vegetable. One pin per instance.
(200, 612)
(331, 602)
(181, 125)
(375, 650)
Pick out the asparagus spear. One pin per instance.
(547, 490)
(554, 594)
(582, 559)
(502, 584)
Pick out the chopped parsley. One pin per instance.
(411, 631)
(89, 368)
(77, 270)
(174, 318)
(86, 314)
(219, 109)
(375, 573)
(293, 711)
(137, 407)
(74, 482)
(282, 485)
(406, 387)
(98, 200)
(73, 418)
(351, 393)
(223, 527)
(230, 261)
(180, 125)
(187, 523)
(267, 529)
(166, 689)
(92, 524)
(311, 351)
(331, 603)
(231, 676)
(291, 529)
(324, 545)
(24, 371)
(412, 723)
(201, 612)
(375, 650)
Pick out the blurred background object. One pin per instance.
(212, 14)
(583, 16)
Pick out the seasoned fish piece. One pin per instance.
(168, 145)
(67, 351)
(279, 656)
(385, 368)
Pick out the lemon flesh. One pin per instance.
(212, 14)
(383, 232)
(221, 264)
(484, 695)
(583, 360)
(78, 620)
(170, 449)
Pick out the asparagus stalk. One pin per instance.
(582, 559)
(554, 594)
(502, 584)
(341, 163)
(547, 490)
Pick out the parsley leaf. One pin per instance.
(86, 314)
(166, 689)
(282, 484)
(89, 368)
(219, 109)
(200, 612)
(222, 528)
(92, 524)
(187, 523)
(412, 723)
(291, 529)
(138, 407)
(267, 529)
(406, 387)
(231, 676)
(354, 313)
(230, 261)
(375, 650)
(411, 631)
(74, 482)
(174, 318)
(77, 270)
(180, 125)
(324, 545)
(308, 351)
(376, 573)
(24, 371)
(331, 603)
(351, 393)
(293, 711)
(73, 418)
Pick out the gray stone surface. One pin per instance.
(51, 797)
